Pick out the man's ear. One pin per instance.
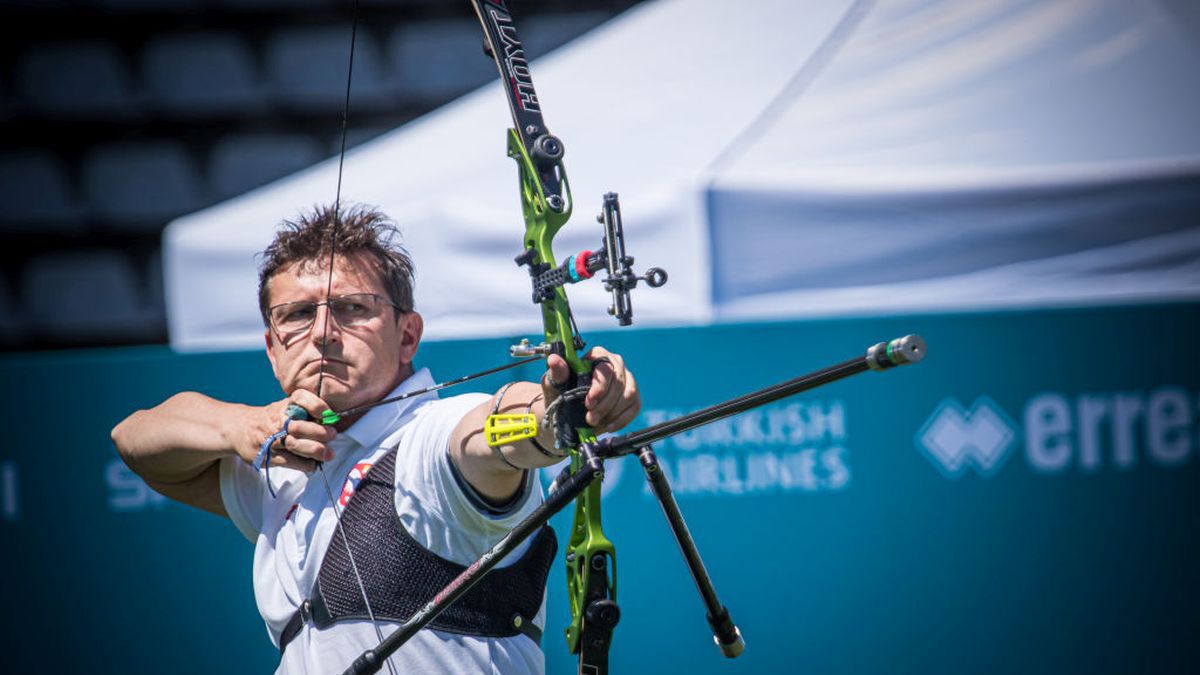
(411, 328)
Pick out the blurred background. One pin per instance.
(121, 115)
(1016, 180)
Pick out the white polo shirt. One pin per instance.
(292, 531)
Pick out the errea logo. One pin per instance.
(1086, 433)
(954, 438)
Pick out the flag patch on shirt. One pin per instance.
(352, 481)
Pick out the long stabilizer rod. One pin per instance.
(898, 352)
(726, 635)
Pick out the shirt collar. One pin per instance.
(378, 422)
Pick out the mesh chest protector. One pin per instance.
(400, 575)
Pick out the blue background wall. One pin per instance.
(1025, 500)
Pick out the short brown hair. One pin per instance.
(308, 240)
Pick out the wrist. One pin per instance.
(544, 442)
(239, 428)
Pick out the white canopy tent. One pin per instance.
(784, 159)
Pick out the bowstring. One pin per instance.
(333, 241)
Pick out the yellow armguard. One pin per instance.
(508, 429)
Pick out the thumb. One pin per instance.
(557, 374)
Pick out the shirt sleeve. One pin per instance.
(242, 493)
(435, 503)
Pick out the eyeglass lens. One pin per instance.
(347, 310)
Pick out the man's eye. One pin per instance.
(299, 314)
(351, 307)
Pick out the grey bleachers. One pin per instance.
(205, 73)
(140, 186)
(87, 296)
(436, 60)
(242, 162)
(36, 194)
(84, 79)
(14, 326)
(152, 109)
(307, 69)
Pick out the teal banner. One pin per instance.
(1024, 500)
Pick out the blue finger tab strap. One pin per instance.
(263, 458)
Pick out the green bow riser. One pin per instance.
(587, 539)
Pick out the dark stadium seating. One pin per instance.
(243, 162)
(439, 59)
(194, 75)
(80, 296)
(141, 111)
(36, 192)
(136, 186)
(76, 80)
(307, 69)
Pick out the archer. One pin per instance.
(333, 575)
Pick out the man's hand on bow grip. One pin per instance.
(306, 442)
(612, 401)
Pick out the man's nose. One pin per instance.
(325, 326)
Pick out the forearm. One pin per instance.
(612, 401)
(539, 451)
(178, 439)
(497, 472)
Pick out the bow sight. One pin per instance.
(621, 278)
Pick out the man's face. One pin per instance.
(362, 362)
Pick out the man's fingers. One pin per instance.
(311, 430)
(306, 440)
(311, 403)
(622, 418)
(311, 449)
(608, 383)
(305, 447)
(604, 399)
(613, 399)
(600, 356)
(285, 459)
(616, 417)
(630, 406)
(557, 371)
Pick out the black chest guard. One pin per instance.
(400, 575)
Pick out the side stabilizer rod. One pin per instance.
(725, 632)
